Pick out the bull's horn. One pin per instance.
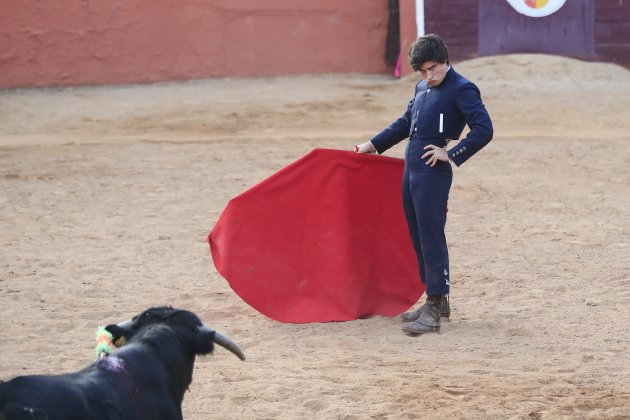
(224, 341)
(125, 324)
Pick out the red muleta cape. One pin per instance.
(323, 239)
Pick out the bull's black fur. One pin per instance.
(144, 379)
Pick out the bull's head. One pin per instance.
(174, 318)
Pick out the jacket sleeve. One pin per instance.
(468, 101)
(395, 133)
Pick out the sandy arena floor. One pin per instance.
(107, 195)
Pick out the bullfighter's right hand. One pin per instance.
(366, 147)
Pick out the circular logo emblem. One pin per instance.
(536, 8)
(534, 4)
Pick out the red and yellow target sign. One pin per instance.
(536, 4)
(536, 8)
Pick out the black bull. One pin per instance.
(144, 379)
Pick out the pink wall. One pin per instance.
(78, 42)
(408, 33)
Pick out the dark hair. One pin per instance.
(427, 48)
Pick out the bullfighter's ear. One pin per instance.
(120, 335)
(205, 341)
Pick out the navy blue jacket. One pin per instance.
(437, 114)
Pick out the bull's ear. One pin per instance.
(205, 341)
(120, 335)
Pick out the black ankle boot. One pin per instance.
(429, 319)
(445, 311)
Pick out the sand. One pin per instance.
(107, 195)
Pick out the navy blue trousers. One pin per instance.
(425, 200)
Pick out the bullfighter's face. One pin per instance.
(433, 72)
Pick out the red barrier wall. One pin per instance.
(408, 33)
(77, 42)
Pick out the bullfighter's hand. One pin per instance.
(366, 147)
(434, 154)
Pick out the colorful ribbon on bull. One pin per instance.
(104, 343)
